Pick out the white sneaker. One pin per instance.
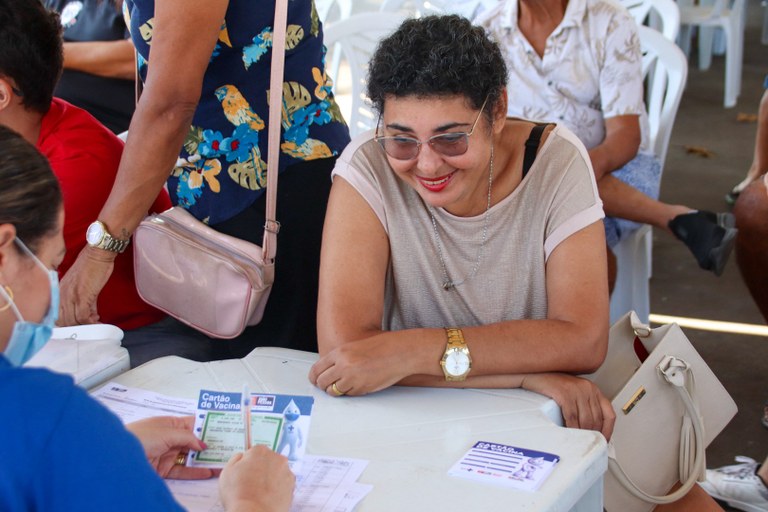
(738, 485)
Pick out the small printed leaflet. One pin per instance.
(509, 466)
(222, 422)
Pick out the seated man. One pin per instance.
(83, 154)
(579, 63)
(99, 69)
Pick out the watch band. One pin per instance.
(455, 343)
(455, 337)
(109, 243)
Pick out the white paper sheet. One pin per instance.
(323, 484)
(510, 466)
(133, 404)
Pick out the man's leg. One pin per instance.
(628, 196)
(626, 202)
(695, 501)
(759, 164)
(751, 212)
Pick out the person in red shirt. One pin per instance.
(83, 154)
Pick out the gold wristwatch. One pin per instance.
(98, 236)
(456, 362)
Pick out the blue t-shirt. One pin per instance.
(62, 451)
(226, 145)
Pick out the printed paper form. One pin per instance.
(133, 404)
(510, 466)
(323, 484)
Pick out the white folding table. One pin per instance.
(411, 436)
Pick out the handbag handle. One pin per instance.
(271, 225)
(676, 372)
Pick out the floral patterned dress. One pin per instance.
(222, 168)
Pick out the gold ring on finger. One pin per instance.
(337, 390)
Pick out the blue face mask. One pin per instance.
(28, 338)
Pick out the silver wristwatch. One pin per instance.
(98, 236)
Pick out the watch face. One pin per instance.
(456, 363)
(94, 234)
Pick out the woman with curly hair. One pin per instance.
(461, 248)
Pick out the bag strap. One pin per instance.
(271, 225)
(677, 373)
(532, 146)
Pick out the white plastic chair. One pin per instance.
(326, 12)
(331, 11)
(666, 69)
(662, 15)
(723, 15)
(356, 39)
(414, 7)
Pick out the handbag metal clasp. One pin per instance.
(272, 226)
(639, 328)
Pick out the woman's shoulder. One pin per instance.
(553, 137)
(362, 155)
(560, 153)
(29, 383)
(563, 137)
(41, 396)
(564, 145)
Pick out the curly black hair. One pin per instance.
(31, 51)
(437, 56)
(30, 197)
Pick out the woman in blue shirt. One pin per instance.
(62, 450)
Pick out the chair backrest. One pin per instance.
(721, 7)
(414, 7)
(665, 69)
(326, 12)
(356, 39)
(663, 15)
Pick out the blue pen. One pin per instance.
(245, 406)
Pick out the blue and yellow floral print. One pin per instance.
(252, 53)
(228, 131)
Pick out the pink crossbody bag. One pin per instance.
(215, 283)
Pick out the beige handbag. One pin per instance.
(213, 282)
(669, 407)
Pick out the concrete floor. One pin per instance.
(678, 286)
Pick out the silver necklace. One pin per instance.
(448, 283)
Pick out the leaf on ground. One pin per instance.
(742, 117)
(700, 151)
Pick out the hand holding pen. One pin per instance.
(245, 407)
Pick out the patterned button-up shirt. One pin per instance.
(591, 68)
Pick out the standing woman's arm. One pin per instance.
(183, 39)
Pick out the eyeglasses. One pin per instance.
(402, 147)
